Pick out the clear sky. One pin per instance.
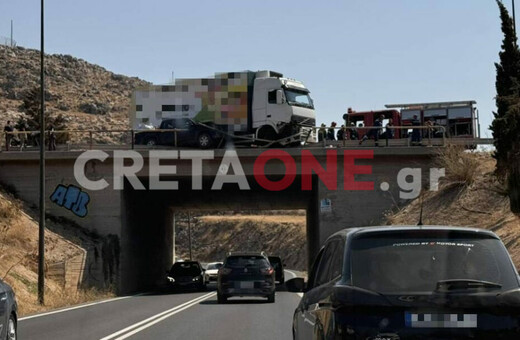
(350, 53)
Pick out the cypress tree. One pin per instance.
(506, 123)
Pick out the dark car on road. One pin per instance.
(186, 275)
(190, 133)
(248, 274)
(8, 312)
(409, 283)
(276, 262)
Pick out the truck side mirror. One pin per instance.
(279, 97)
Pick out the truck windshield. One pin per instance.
(397, 265)
(298, 98)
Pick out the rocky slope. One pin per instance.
(214, 236)
(90, 96)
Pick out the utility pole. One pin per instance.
(174, 228)
(514, 20)
(189, 233)
(12, 41)
(41, 230)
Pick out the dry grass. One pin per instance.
(461, 166)
(255, 218)
(481, 204)
(18, 260)
(8, 209)
(60, 298)
(214, 236)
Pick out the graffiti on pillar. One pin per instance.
(110, 254)
(71, 198)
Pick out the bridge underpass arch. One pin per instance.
(147, 228)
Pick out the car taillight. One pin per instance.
(267, 271)
(224, 271)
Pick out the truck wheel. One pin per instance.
(204, 140)
(151, 142)
(270, 298)
(267, 132)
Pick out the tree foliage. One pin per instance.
(506, 123)
(31, 106)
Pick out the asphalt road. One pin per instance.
(168, 316)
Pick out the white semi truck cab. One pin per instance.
(263, 105)
(281, 106)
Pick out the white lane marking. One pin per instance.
(293, 276)
(162, 318)
(78, 307)
(153, 319)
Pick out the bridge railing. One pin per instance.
(125, 139)
(428, 133)
(78, 139)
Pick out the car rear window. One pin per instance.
(397, 264)
(247, 261)
(185, 269)
(214, 266)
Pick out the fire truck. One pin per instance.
(367, 118)
(458, 119)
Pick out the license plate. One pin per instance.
(440, 320)
(247, 284)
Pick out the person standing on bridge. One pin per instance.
(389, 132)
(340, 135)
(416, 132)
(322, 132)
(331, 131)
(375, 131)
(353, 132)
(8, 128)
(52, 139)
(22, 136)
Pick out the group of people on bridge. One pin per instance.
(378, 131)
(19, 137)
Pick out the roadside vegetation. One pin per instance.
(461, 167)
(470, 196)
(19, 259)
(506, 123)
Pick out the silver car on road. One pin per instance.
(8, 312)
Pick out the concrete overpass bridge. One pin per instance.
(140, 220)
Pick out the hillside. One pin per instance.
(90, 96)
(480, 204)
(214, 236)
(19, 259)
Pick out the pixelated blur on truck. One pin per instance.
(247, 106)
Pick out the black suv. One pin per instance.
(409, 283)
(188, 274)
(248, 274)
